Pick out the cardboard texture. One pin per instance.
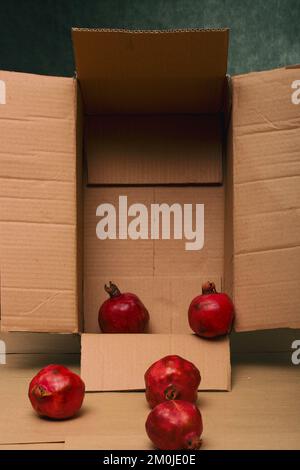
(152, 106)
(38, 204)
(133, 354)
(155, 146)
(160, 149)
(246, 418)
(161, 272)
(150, 71)
(40, 343)
(111, 442)
(266, 195)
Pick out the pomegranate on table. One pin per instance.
(122, 312)
(56, 392)
(211, 314)
(174, 425)
(172, 378)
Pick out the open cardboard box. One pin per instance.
(148, 117)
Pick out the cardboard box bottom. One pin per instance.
(118, 362)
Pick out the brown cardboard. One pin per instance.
(228, 214)
(266, 195)
(151, 71)
(40, 343)
(166, 277)
(39, 446)
(154, 149)
(38, 204)
(123, 359)
(117, 420)
(163, 269)
(161, 272)
(79, 206)
(168, 76)
(111, 442)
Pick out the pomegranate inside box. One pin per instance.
(153, 197)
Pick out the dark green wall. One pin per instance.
(35, 34)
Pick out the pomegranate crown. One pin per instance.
(112, 290)
(209, 288)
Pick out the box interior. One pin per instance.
(151, 72)
(162, 158)
(163, 151)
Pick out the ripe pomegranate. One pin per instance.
(122, 313)
(171, 378)
(211, 314)
(56, 392)
(175, 425)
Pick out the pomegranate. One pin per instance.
(211, 314)
(122, 313)
(56, 392)
(175, 425)
(171, 378)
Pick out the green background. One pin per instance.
(35, 34)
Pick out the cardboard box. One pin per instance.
(149, 118)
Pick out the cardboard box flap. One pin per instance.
(266, 199)
(148, 149)
(180, 71)
(38, 204)
(134, 353)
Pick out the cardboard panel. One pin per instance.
(266, 207)
(135, 353)
(117, 420)
(162, 272)
(37, 343)
(172, 149)
(38, 204)
(228, 231)
(39, 446)
(111, 442)
(144, 257)
(110, 257)
(151, 71)
(266, 294)
(171, 256)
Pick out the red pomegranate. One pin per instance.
(175, 425)
(56, 392)
(122, 313)
(211, 314)
(171, 378)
